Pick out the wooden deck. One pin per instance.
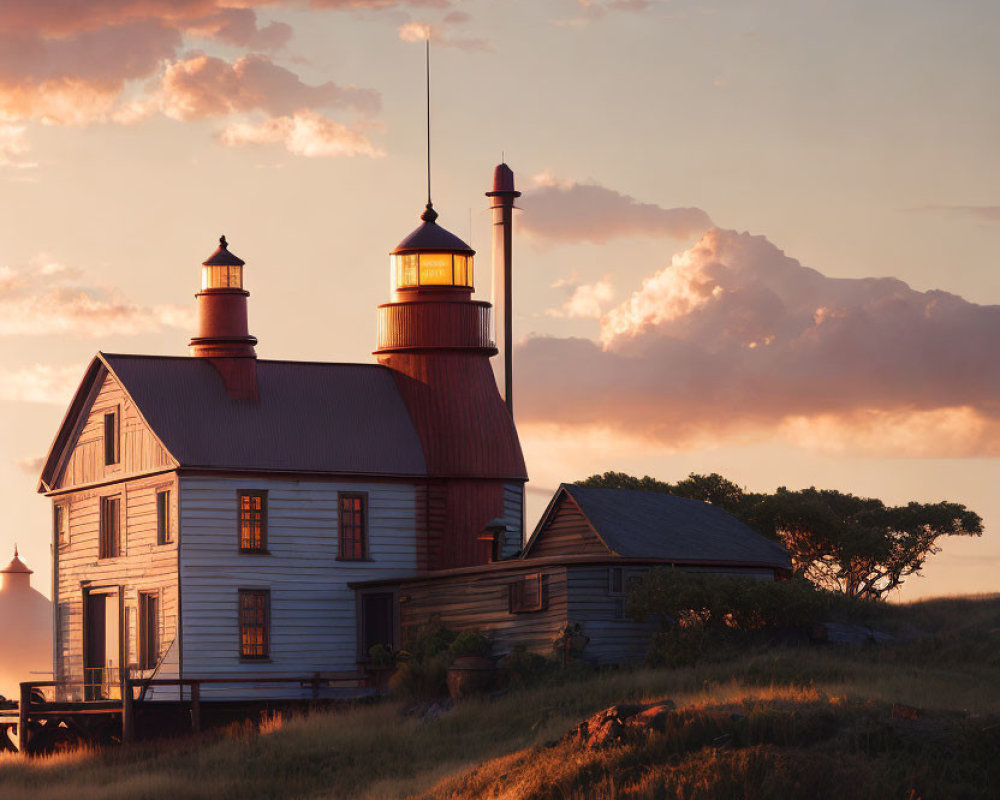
(42, 725)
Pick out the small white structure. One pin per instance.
(25, 629)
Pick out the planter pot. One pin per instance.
(469, 675)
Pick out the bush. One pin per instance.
(470, 643)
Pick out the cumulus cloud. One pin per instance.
(444, 33)
(48, 299)
(590, 10)
(39, 383)
(31, 465)
(566, 211)
(736, 340)
(585, 300)
(305, 133)
(14, 147)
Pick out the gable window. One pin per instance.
(255, 623)
(149, 629)
(110, 543)
(163, 535)
(528, 594)
(253, 522)
(111, 438)
(353, 527)
(60, 523)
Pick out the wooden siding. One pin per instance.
(482, 601)
(140, 452)
(513, 512)
(313, 617)
(614, 638)
(567, 533)
(143, 565)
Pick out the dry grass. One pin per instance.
(815, 719)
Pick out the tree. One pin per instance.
(854, 545)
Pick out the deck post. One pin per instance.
(195, 706)
(128, 711)
(22, 718)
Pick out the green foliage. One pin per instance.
(472, 642)
(854, 545)
(381, 656)
(525, 668)
(430, 639)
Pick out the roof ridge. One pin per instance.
(152, 356)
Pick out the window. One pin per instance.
(110, 544)
(60, 524)
(255, 623)
(163, 535)
(111, 438)
(528, 594)
(616, 580)
(253, 522)
(149, 629)
(353, 545)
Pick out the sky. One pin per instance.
(757, 237)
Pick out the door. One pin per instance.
(378, 622)
(102, 645)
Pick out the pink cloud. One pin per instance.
(304, 133)
(734, 339)
(209, 87)
(565, 211)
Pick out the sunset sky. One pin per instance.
(758, 237)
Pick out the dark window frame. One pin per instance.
(246, 516)
(60, 523)
(522, 602)
(253, 612)
(164, 534)
(148, 635)
(358, 539)
(110, 538)
(112, 437)
(616, 581)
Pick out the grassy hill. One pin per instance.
(760, 720)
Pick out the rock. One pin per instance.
(653, 718)
(612, 725)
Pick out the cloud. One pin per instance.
(13, 146)
(443, 33)
(39, 383)
(565, 211)
(589, 10)
(48, 299)
(305, 133)
(586, 300)
(31, 465)
(736, 341)
(211, 87)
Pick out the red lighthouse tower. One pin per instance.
(437, 341)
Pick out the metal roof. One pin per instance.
(432, 237)
(309, 417)
(16, 565)
(222, 257)
(637, 524)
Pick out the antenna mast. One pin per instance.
(427, 61)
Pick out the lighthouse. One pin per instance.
(437, 341)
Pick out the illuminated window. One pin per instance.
(110, 523)
(352, 523)
(431, 269)
(255, 623)
(221, 277)
(253, 522)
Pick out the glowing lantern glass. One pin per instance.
(223, 270)
(431, 256)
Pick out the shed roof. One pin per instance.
(638, 524)
(309, 417)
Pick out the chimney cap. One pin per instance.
(16, 565)
(503, 181)
(222, 257)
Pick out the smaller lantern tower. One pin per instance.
(223, 331)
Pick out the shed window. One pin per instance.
(60, 523)
(616, 580)
(163, 535)
(110, 544)
(528, 594)
(149, 629)
(255, 623)
(253, 522)
(353, 527)
(111, 438)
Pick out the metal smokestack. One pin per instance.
(503, 195)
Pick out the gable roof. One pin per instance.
(637, 524)
(309, 417)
